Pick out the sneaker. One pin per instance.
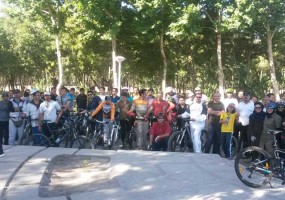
(2, 155)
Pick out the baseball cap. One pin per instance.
(47, 93)
(33, 91)
(125, 88)
(230, 90)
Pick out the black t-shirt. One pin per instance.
(215, 107)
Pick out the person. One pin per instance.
(244, 110)
(102, 93)
(81, 100)
(11, 95)
(283, 97)
(115, 98)
(272, 121)
(240, 96)
(265, 102)
(171, 110)
(136, 93)
(159, 134)
(53, 94)
(255, 124)
(271, 97)
(141, 107)
(72, 97)
(126, 123)
(198, 90)
(158, 105)
(64, 101)
(230, 99)
(33, 109)
(126, 89)
(171, 94)
(215, 109)
(16, 124)
(180, 109)
(189, 99)
(198, 115)
(5, 106)
(48, 118)
(227, 119)
(150, 96)
(254, 99)
(108, 109)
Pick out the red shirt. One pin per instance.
(160, 128)
(158, 106)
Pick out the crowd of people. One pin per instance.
(243, 116)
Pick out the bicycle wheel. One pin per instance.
(177, 142)
(234, 147)
(81, 142)
(131, 139)
(27, 133)
(252, 167)
(38, 140)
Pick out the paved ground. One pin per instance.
(131, 175)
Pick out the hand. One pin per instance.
(56, 121)
(40, 128)
(149, 147)
(90, 118)
(253, 138)
(157, 139)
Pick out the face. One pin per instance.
(114, 92)
(63, 92)
(124, 98)
(229, 95)
(159, 96)
(254, 99)
(269, 110)
(265, 100)
(17, 95)
(37, 96)
(231, 107)
(280, 108)
(72, 91)
(257, 108)
(217, 97)
(89, 95)
(101, 90)
(47, 97)
(272, 98)
(197, 91)
(240, 94)
(181, 101)
(246, 98)
(53, 90)
(198, 98)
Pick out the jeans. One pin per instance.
(4, 131)
(125, 128)
(142, 128)
(13, 130)
(160, 145)
(213, 137)
(226, 143)
(107, 130)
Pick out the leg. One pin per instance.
(209, 138)
(6, 132)
(196, 137)
(223, 141)
(139, 134)
(124, 130)
(144, 134)
(1, 140)
(12, 132)
(20, 132)
(217, 138)
(243, 136)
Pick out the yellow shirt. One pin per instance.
(228, 128)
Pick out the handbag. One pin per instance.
(18, 123)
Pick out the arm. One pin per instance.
(149, 110)
(113, 112)
(41, 115)
(97, 109)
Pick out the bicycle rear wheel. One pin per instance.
(38, 140)
(81, 142)
(177, 142)
(252, 166)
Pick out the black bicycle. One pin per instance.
(255, 167)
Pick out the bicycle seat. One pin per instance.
(274, 132)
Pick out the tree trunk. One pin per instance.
(114, 66)
(59, 63)
(274, 81)
(164, 63)
(220, 66)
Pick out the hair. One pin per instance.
(26, 94)
(116, 89)
(124, 94)
(81, 90)
(90, 91)
(35, 93)
(233, 111)
(101, 88)
(142, 91)
(73, 89)
(64, 88)
(151, 90)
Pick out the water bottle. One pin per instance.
(227, 120)
(57, 141)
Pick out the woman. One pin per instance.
(255, 124)
(272, 121)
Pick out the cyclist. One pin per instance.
(158, 105)
(48, 119)
(181, 108)
(159, 134)
(108, 117)
(140, 105)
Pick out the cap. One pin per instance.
(197, 88)
(230, 90)
(47, 94)
(271, 105)
(33, 91)
(125, 88)
(160, 116)
(5, 94)
(107, 98)
(168, 89)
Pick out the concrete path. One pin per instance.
(132, 175)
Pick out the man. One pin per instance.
(33, 110)
(11, 95)
(115, 98)
(141, 107)
(72, 97)
(271, 97)
(5, 106)
(240, 96)
(16, 124)
(136, 93)
(230, 99)
(198, 90)
(159, 134)
(265, 102)
(64, 101)
(158, 105)
(53, 94)
(108, 109)
(244, 110)
(126, 123)
(171, 94)
(81, 100)
(129, 98)
(48, 119)
(215, 109)
(181, 108)
(150, 96)
(102, 93)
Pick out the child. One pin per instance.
(227, 119)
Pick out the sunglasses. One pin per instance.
(270, 108)
(257, 107)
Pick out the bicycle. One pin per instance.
(255, 167)
(28, 130)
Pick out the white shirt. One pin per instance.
(245, 110)
(33, 111)
(227, 101)
(196, 112)
(49, 110)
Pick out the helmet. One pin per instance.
(271, 105)
(230, 90)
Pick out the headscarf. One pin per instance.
(257, 116)
(271, 105)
